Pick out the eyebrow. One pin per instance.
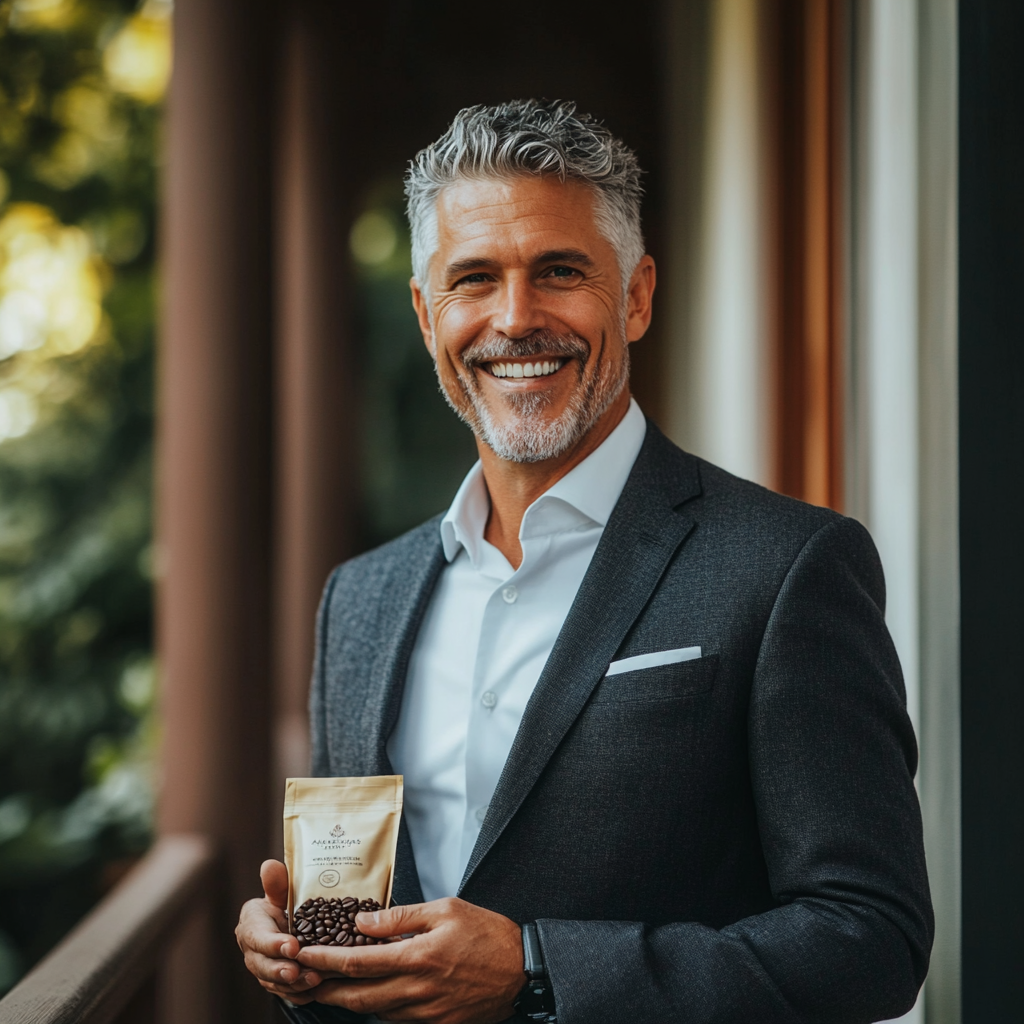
(577, 257)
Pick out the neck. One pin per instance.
(514, 486)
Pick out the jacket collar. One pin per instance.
(587, 494)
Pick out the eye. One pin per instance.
(479, 278)
(562, 273)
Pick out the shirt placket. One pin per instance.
(505, 619)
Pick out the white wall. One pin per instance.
(902, 430)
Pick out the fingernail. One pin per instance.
(376, 917)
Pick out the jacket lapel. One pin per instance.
(397, 636)
(642, 535)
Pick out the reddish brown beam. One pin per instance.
(314, 376)
(214, 476)
(808, 132)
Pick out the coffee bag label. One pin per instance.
(340, 837)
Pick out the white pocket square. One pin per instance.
(653, 660)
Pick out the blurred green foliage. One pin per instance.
(80, 85)
(415, 451)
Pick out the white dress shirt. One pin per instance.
(485, 638)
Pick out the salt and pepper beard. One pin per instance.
(527, 438)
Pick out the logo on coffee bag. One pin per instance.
(337, 831)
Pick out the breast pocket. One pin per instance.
(663, 682)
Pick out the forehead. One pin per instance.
(518, 213)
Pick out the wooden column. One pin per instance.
(807, 276)
(214, 481)
(314, 386)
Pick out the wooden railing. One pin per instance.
(104, 971)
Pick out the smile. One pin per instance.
(541, 368)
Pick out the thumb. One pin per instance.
(274, 876)
(397, 921)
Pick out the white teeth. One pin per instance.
(518, 370)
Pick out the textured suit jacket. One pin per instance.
(732, 839)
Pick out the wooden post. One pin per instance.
(314, 386)
(807, 276)
(214, 480)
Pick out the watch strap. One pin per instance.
(536, 1000)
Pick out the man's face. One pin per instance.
(526, 318)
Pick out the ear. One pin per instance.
(639, 299)
(419, 303)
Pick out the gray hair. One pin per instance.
(538, 137)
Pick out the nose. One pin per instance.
(518, 312)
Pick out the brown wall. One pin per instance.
(806, 44)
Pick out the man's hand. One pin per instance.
(462, 965)
(263, 938)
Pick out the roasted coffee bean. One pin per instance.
(332, 922)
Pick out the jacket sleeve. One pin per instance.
(832, 761)
(319, 760)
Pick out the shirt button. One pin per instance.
(509, 594)
(489, 699)
(481, 813)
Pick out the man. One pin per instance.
(647, 712)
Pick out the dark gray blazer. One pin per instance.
(734, 839)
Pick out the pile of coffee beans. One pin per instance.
(332, 922)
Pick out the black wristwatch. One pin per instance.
(536, 1000)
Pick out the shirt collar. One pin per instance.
(584, 496)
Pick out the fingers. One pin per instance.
(296, 998)
(285, 974)
(383, 998)
(261, 929)
(355, 961)
(274, 876)
(417, 917)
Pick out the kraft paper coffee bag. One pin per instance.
(340, 837)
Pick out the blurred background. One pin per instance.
(213, 389)
(81, 88)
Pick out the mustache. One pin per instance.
(540, 343)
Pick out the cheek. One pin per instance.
(459, 320)
(454, 330)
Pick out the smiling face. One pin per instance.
(525, 314)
